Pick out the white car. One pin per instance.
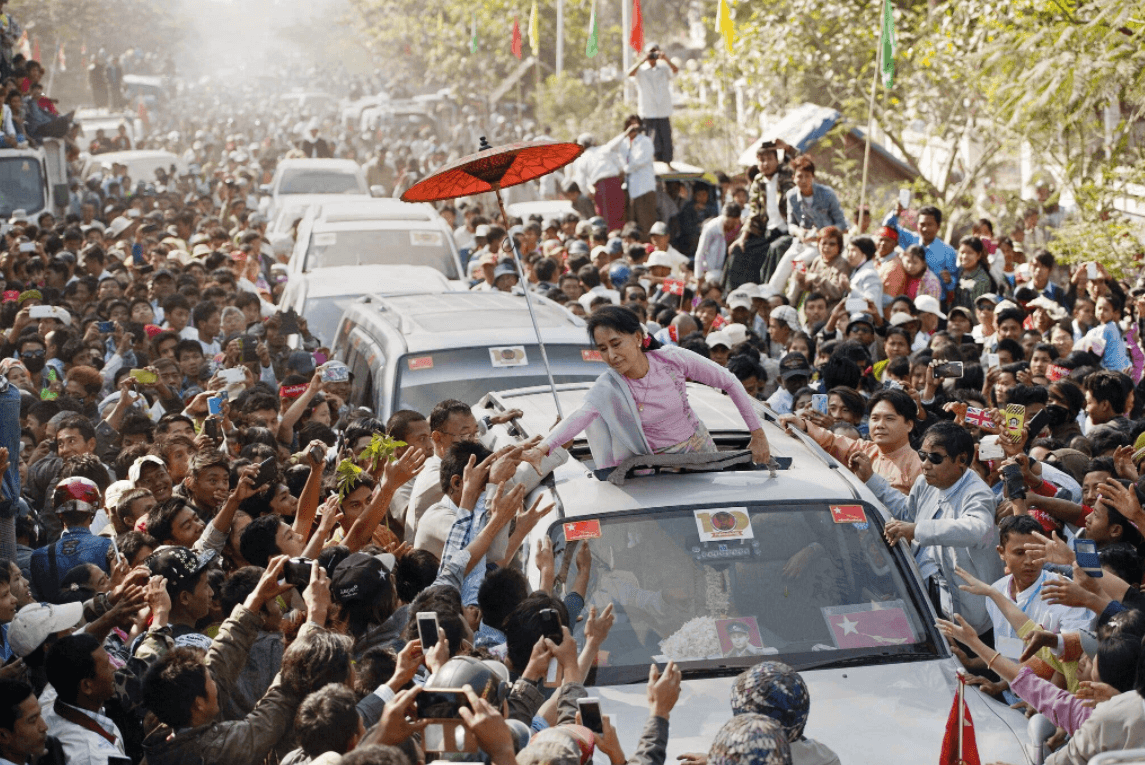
(141, 163)
(797, 560)
(318, 178)
(322, 296)
(374, 232)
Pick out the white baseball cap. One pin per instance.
(719, 337)
(35, 622)
(739, 300)
(658, 258)
(929, 304)
(747, 288)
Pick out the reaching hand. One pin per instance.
(436, 656)
(861, 466)
(973, 585)
(1036, 641)
(394, 728)
(663, 689)
(1093, 693)
(488, 726)
(317, 594)
(596, 628)
(409, 659)
(1047, 550)
(957, 630)
(405, 467)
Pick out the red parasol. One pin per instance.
(493, 169)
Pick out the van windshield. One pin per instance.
(717, 589)
(467, 374)
(21, 185)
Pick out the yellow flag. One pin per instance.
(725, 26)
(534, 30)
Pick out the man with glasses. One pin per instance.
(947, 519)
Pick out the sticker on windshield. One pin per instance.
(591, 356)
(740, 637)
(869, 625)
(325, 239)
(509, 356)
(425, 238)
(421, 362)
(582, 530)
(719, 525)
(848, 514)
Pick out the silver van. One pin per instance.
(413, 351)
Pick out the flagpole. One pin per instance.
(625, 49)
(871, 118)
(961, 708)
(560, 36)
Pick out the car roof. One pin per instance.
(319, 164)
(373, 209)
(437, 321)
(812, 474)
(371, 279)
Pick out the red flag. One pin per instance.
(719, 322)
(516, 38)
(636, 39)
(958, 745)
(674, 286)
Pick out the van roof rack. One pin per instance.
(704, 462)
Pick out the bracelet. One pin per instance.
(991, 662)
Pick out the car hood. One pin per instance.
(889, 713)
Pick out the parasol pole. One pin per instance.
(529, 302)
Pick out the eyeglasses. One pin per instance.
(33, 354)
(934, 458)
(462, 436)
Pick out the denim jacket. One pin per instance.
(824, 211)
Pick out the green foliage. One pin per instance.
(570, 107)
(152, 25)
(347, 475)
(381, 447)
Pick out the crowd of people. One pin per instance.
(177, 453)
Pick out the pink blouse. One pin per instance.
(661, 398)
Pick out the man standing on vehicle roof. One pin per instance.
(947, 519)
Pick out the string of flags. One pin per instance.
(724, 25)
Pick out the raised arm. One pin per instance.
(568, 429)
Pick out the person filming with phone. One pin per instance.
(653, 75)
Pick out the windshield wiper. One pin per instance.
(853, 661)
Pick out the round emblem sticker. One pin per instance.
(723, 521)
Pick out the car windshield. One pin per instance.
(320, 182)
(467, 374)
(715, 589)
(21, 186)
(388, 247)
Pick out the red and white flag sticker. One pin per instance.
(575, 530)
(848, 514)
(421, 362)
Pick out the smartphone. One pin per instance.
(990, 449)
(267, 470)
(145, 377)
(856, 305)
(889, 384)
(551, 625)
(1090, 270)
(318, 453)
(904, 199)
(288, 323)
(427, 629)
(1013, 483)
(215, 405)
(213, 429)
(297, 573)
(137, 253)
(819, 402)
(106, 327)
(1085, 550)
(335, 373)
(1040, 420)
(949, 369)
(992, 360)
(249, 345)
(41, 312)
(590, 716)
(435, 704)
(27, 246)
(145, 269)
(232, 375)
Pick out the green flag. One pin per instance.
(473, 36)
(590, 47)
(887, 45)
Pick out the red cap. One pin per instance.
(888, 233)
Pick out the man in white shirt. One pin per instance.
(80, 672)
(636, 158)
(712, 250)
(653, 76)
(599, 169)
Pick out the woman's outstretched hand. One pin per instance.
(760, 449)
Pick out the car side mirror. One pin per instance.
(1039, 730)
